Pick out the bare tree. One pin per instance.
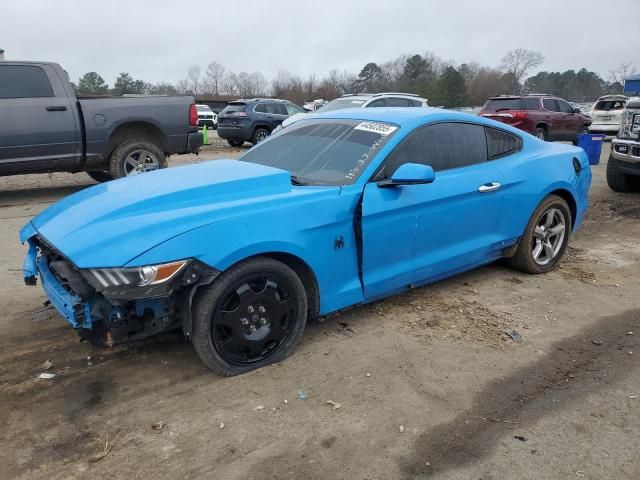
(193, 79)
(517, 63)
(214, 74)
(622, 71)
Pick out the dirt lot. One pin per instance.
(430, 384)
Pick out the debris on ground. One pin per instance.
(46, 376)
(46, 365)
(336, 405)
(633, 397)
(258, 408)
(368, 374)
(105, 448)
(520, 437)
(286, 401)
(159, 425)
(221, 425)
(302, 395)
(401, 428)
(596, 342)
(515, 336)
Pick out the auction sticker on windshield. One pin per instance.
(376, 127)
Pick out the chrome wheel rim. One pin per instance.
(140, 161)
(548, 236)
(540, 135)
(261, 136)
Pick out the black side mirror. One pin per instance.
(409, 174)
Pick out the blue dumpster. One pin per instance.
(592, 144)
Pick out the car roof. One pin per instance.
(402, 116)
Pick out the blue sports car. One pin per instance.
(339, 209)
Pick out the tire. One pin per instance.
(540, 133)
(259, 135)
(618, 181)
(235, 143)
(536, 236)
(99, 176)
(230, 334)
(136, 156)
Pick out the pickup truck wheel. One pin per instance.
(252, 315)
(136, 156)
(99, 176)
(235, 143)
(259, 135)
(618, 181)
(545, 238)
(540, 133)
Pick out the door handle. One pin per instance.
(56, 108)
(489, 187)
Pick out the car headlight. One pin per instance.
(131, 277)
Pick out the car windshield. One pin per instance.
(323, 152)
(341, 103)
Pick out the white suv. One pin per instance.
(365, 100)
(607, 113)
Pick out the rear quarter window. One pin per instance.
(501, 143)
(24, 81)
(235, 107)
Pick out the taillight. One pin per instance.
(193, 115)
(519, 115)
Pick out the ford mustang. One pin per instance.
(341, 208)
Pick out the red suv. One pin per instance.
(545, 116)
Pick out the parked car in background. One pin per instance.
(623, 168)
(47, 128)
(544, 116)
(253, 120)
(207, 117)
(607, 113)
(366, 100)
(314, 105)
(341, 208)
(370, 100)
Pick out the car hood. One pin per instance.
(107, 225)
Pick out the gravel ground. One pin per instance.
(429, 382)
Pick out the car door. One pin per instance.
(413, 234)
(556, 130)
(571, 121)
(276, 113)
(38, 129)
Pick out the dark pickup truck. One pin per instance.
(44, 127)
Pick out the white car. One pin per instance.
(607, 113)
(366, 100)
(207, 117)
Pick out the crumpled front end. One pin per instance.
(104, 305)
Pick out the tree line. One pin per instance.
(443, 82)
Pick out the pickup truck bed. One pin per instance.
(44, 127)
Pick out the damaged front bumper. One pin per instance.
(104, 318)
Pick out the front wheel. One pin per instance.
(618, 181)
(252, 315)
(545, 238)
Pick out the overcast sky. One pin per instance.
(158, 40)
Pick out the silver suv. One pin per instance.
(624, 163)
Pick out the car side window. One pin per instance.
(380, 102)
(550, 104)
(398, 102)
(415, 103)
(260, 108)
(443, 146)
(531, 103)
(564, 107)
(24, 81)
(501, 143)
(278, 109)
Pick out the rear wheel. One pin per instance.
(545, 238)
(540, 133)
(259, 135)
(235, 143)
(618, 181)
(252, 315)
(136, 156)
(99, 176)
